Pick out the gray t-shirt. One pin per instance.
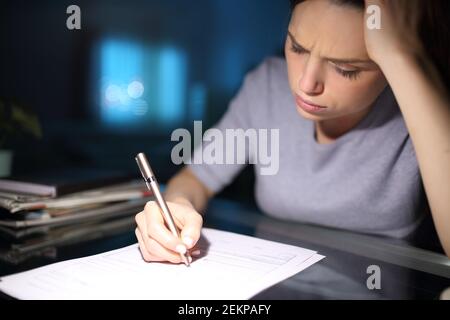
(367, 181)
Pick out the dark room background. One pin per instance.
(135, 71)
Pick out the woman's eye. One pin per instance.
(298, 50)
(352, 75)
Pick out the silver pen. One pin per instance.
(153, 186)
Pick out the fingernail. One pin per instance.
(188, 241)
(190, 259)
(195, 252)
(181, 249)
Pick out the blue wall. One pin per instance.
(139, 68)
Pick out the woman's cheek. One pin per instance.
(368, 90)
(358, 93)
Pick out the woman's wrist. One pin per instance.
(178, 198)
(395, 62)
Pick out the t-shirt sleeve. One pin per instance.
(238, 116)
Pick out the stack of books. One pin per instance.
(68, 198)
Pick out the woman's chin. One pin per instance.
(309, 116)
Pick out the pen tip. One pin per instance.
(187, 260)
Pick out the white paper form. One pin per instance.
(231, 266)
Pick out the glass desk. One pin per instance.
(406, 272)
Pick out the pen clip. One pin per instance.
(145, 168)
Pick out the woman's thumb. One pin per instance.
(191, 232)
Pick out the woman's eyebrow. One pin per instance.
(295, 42)
(334, 60)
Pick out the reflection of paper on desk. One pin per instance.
(233, 267)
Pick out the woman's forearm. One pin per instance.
(184, 187)
(426, 110)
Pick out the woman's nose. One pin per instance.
(311, 82)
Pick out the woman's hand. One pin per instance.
(396, 36)
(156, 242)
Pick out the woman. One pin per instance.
(364, 126)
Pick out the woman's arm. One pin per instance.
(184, 187)
(427, 116)
(426, 110)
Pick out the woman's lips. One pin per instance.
(307, 105)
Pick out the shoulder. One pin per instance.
(268, 83)
(269, 70)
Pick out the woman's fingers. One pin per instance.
(156, 229)
(146, 255)
(151, 250)
(192, 230)
(157, 243)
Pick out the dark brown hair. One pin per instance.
(424, 27)
(353, 3)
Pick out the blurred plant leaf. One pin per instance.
(26, 120)
(16, 119)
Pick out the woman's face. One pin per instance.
(330, 72)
